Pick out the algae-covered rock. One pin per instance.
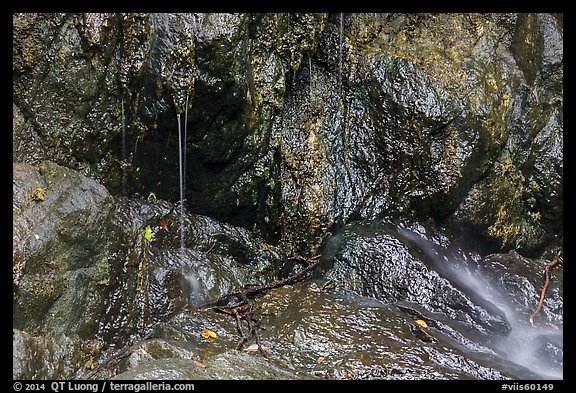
(299, 122)
(62, 233)
(504, 209)
(494, 72)
(85, 273)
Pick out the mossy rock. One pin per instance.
(67, 231)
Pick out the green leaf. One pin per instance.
(148, 234)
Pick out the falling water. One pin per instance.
(193, 286)
(123, 151)
(310, 92)
(185, 139)
(181, 182)
(524, 344)
(190, 269)
(340, 53)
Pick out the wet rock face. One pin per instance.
(374, 260)
(310, 335)
(86, 280)
(244, 64)
(298, 122)
(66, 82)
(402, 145)
(93, 284)
(62, 233)
(424, 129)
(302, 132)
(39, 358)
(63, 236)
(525, 219)
(336, 327)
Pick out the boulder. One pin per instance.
(63, 233)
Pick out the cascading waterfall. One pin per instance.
(524, 344)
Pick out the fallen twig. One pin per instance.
(115, 358)
(240, 303)
(555, 262)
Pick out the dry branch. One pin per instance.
(115, 358)
(551, 265)
(240, 303)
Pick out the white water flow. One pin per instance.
(341, 42)
(193, 288)
(310, 92)
(123, 150)
(185, 139)
(525, 345)
(180, 167)
(190, 268)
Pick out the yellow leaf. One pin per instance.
(90, 364)
(37, 194)
(208, 333)
(254, 348)
(422, 323)
(142, 351)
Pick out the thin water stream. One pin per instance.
(183, 183)
(192, 282)
(124, 180)
(340, 53)
(180, 167)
